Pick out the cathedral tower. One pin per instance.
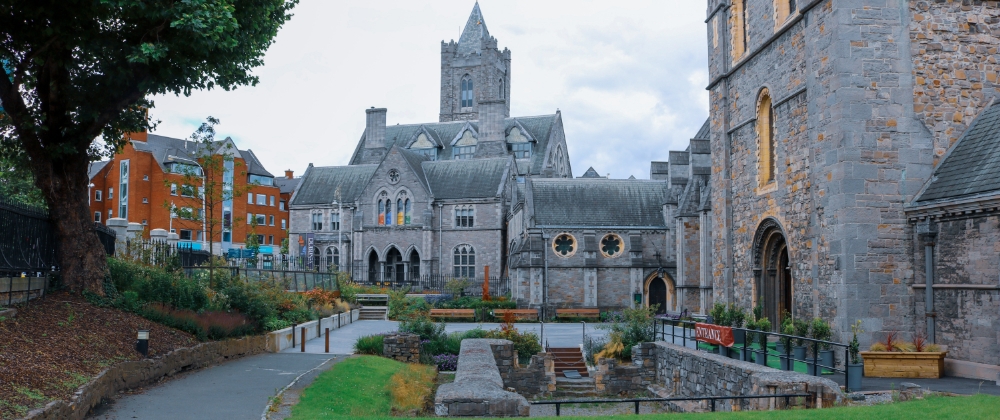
(473, 70)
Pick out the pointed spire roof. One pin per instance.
(591, 173)
(474, 33)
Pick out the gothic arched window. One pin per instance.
(407, 211)
(465, 261)
(388, 212)
(501, 90)
(766, 144)
(466, 91)
(381, 212)
(332, 259)
(399, 211)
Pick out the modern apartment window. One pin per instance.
(227, 236)
(97, 216)
(260, 239)
(521, 150)
(261, 180)
(185, 235)
(109, 213)
(145, 200)
(249, 217)
(111, 193)
(270, 220)
(270, 239)
(144, 222)
(334, 221)
(272, 201)
(317, 221)
(173, 189)
(464, 217)
(261, 200)
(283, 224)
(97, 195)
(464, 152)
(281, 205)
(261, 220)
(187, 191)
(249, 198)
(123, 170)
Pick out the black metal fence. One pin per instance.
(817, 355)
(808, 398)
(27, 243)
(162, 253)
(292, 281)
(401, 279)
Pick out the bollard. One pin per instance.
(327, 340)
(303, 339)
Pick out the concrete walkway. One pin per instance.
(342, 340)
(239, 389)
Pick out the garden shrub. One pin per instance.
(410, 388)
(446, 362)
(408, 308)
(424, 327)
(631, 326)
(370, 344)
(211, 325)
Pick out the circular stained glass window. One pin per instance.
(564, 245)
(611, 245)
(393, 176)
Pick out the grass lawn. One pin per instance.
(356, 389)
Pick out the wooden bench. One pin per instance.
(453, 313)
(529, 314)
(578, 313)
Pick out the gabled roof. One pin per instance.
(415, 161)
(287, 186)
(472, 178)
(972, 167)
(591, 173)
(597, 202)
(539, 127)
(703, 133)
(254, 167)
(321, 185)
(474, 33)
(96, 167)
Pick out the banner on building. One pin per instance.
(714, 334)
(309, 250)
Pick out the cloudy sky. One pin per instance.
(628, 76)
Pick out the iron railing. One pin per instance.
(711, 400)
(744, 350)
(292, 281)
(27, 241)
(403, 277)
(161, 254)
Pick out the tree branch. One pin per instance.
(22, 67)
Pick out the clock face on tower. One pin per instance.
(393, 176)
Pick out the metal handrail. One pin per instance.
(710, 399)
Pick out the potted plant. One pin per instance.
(760, 355)
(821, 331)
(736, 319)
(787, 329)
(786, 318)
(751, 337)
(720, 317)
(801, 329)
(893, 358)
(855, 366)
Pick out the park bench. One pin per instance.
(519, 314)
(453, 313)
(578, 313)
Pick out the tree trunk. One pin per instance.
(82, 259)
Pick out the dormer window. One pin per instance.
(466, 91)
(430, 153)
(464, 152)
(521, 150)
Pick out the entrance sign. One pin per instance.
(714, 334)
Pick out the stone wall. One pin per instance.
(129, 375)
(402, 347)
(538, 379)
(615, 378)
(478, 389)
(685, 372)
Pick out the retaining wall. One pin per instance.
(402, 347)
(538, 379)
(478, 389)
(282, 339)
(129, 375)
(685, 372)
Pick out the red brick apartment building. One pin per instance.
(141, 182)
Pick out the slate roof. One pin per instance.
(319, 185)
(973, 166)
(695, 196)
(703, 133)
(597, 202)
(254, 166)
(96, 167)
(472, 178)
(474, 33)
(591, 173)
(539, 127)
(287, 186)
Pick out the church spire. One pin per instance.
(474, 33)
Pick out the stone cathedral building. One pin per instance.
(479, 188)
(850, 141)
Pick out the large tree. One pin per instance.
(79, 69)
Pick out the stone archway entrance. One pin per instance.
(394, 269)
(660, 290)
(373, 272)
(772, 272)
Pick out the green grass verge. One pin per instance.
(354, 388)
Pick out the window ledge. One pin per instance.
(770, 187)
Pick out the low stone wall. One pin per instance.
(403, 347)
(685, 372)
(538, 379)
(478, 389)
(614, 377)
(282, 339)
(128, 375)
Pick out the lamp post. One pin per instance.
(142, 343)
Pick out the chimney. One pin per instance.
(492, 142)
(289, 174)
(375, 128)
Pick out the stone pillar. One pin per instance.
(172, 239)
(590, 287)
(158, 235)
(119, 225)
(403, 347)
(134, 230)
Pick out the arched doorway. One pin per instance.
(414, 265)
(394, 270)
(660, 290)
(773, 282)
(373, 267)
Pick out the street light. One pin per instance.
(142, 343)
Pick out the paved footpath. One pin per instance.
(239, 389)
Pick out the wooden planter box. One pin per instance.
(894, 364)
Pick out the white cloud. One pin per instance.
(629, 77)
